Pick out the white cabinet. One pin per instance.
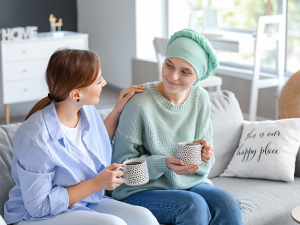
(23, 66)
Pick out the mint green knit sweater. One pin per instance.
(150, 128)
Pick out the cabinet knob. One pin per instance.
(25, 89)
(24, 71)
(24, 51)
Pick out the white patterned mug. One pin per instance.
(135, 172)
(189, 152)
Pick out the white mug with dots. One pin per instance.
(189, 152)
(135, 172)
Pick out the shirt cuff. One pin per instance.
(59, 200)
(161, 164)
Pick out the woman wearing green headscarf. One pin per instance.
(151, 125)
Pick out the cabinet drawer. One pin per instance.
(29, 50)
(24, 70)
(23, 91)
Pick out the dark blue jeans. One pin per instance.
(203, 204)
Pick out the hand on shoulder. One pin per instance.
(127, 94)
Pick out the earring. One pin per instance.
(78, 100)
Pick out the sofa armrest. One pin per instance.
(6, 154)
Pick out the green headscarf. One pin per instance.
(194, 48)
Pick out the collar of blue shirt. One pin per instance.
(52, 122)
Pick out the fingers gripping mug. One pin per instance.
(135, 172)
(189, 152)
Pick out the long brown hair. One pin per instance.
(68, 69)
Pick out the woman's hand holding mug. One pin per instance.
(188, 152)
(207, 150)
(135, 172)
(175, 165)
(109, 178)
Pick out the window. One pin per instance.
(293, 36)
(240, 16)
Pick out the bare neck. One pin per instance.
(68, 112)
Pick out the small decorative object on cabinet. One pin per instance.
(18, 33)
(53, 25)
(23, 65)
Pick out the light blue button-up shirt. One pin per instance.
(46, 162)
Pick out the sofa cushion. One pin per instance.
(263, 146)
(263, 201)
(227, 121)
(6, 153)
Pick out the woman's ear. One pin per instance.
(74, 94)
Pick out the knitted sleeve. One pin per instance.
(205, 131)
(129, 140)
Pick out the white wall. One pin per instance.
(112, 35)
(151, 21)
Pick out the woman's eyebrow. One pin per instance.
(100, 77)
(187, 69)
(170, 62)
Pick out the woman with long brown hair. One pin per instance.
(62, 152)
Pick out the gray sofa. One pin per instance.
(263, 201)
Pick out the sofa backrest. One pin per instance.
(6, 153)
(227, 121)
